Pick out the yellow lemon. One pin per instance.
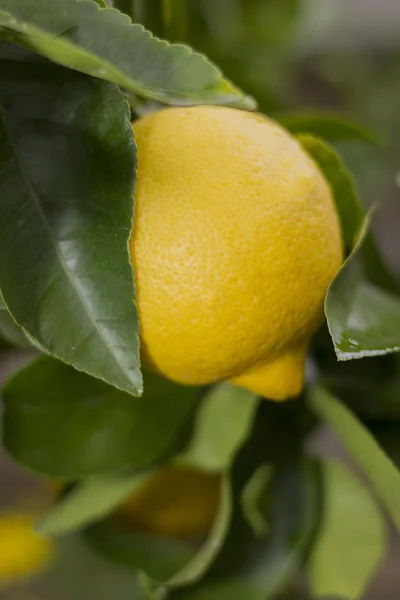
(235, 240)
(175, 501)
(22, 551)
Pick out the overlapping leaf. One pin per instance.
(64, 423)
(341, 183)
(329, 127)
(89, 501)
(259, 567)
(351, 540)
(166, 561)
(223, 422)
(358, 441)
(66, 209)
(104, 43)
(363, 320)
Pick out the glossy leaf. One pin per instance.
(329, 127)
(351, 539)
(49, 409)
(104, 43)
(222, 424)
(361, 445)
(66, 210)
(363, 319)
(167, 561)
(259, 568)
(341, 184)
(89, 501)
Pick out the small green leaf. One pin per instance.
(66, 211)
(364, 449)
(254, 499)
(167, 561)
(50, 408)
(363, 319)
(255, 567)
(88, 502)
(104, 43)
(329, 127)
(341, 183)
(223, 422)
(196, 568)
(351, 539)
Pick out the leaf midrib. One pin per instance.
(59, 254)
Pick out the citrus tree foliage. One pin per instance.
(74, 73)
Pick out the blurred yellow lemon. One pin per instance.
(22, 551)
(235, 241)
(175, 501)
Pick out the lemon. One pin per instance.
(235, 240)
(22, 551)
(177, 502)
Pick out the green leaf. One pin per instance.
(341, 184)
(351, 539)
(49, 409)
(364, 449)
(363, 319)
(259, 568)
(170, 562)
(254, 498)
(329, 127)
(105, 44)
(66, 210)
(88, 502)
(223, 422)
(196, 568)
(9, 330)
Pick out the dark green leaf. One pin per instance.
(363, 319)
(9, 330)
(223, 422)
(105, 44)
(329, 127)
(50, 409)
(341, 183)
(351, 539)
(358, 441)
(88, 502)
(67, 167)
(258, 568)
(169, 562)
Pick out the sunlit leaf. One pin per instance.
(89, 501)
(104, 43)
(351, 539)
(223, 422)
(67, 178)
(364, 449)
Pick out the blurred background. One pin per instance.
(339, 56)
